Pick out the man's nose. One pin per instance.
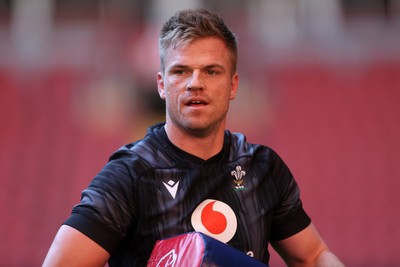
(195, 81)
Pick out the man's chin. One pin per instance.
(200, 129)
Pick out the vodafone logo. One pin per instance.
(216, 219)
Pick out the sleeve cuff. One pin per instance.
(96, 231)
(298, 222)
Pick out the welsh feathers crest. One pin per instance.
(238, 173)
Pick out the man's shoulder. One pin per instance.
(151, 149)
(239, 146)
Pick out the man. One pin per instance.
(191, 174)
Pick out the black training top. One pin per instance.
(244, 196)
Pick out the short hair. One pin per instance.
(193, 24)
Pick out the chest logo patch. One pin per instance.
(238, 174)
(172, 187)
(216, 219)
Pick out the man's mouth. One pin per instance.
(196, 102)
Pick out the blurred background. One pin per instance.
(320, 84)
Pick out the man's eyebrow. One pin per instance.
(178, 66)
(210, 66)
(214, 66)
(205, 67)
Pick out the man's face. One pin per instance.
(197, 85)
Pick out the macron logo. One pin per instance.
(172, 187)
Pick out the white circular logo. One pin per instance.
(216, 219)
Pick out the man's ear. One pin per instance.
(160, 85)
(234, 86)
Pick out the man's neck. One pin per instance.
(203, 147)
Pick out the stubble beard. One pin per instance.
(199, 127)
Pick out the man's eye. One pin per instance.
(178, 72)
(212, 72)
